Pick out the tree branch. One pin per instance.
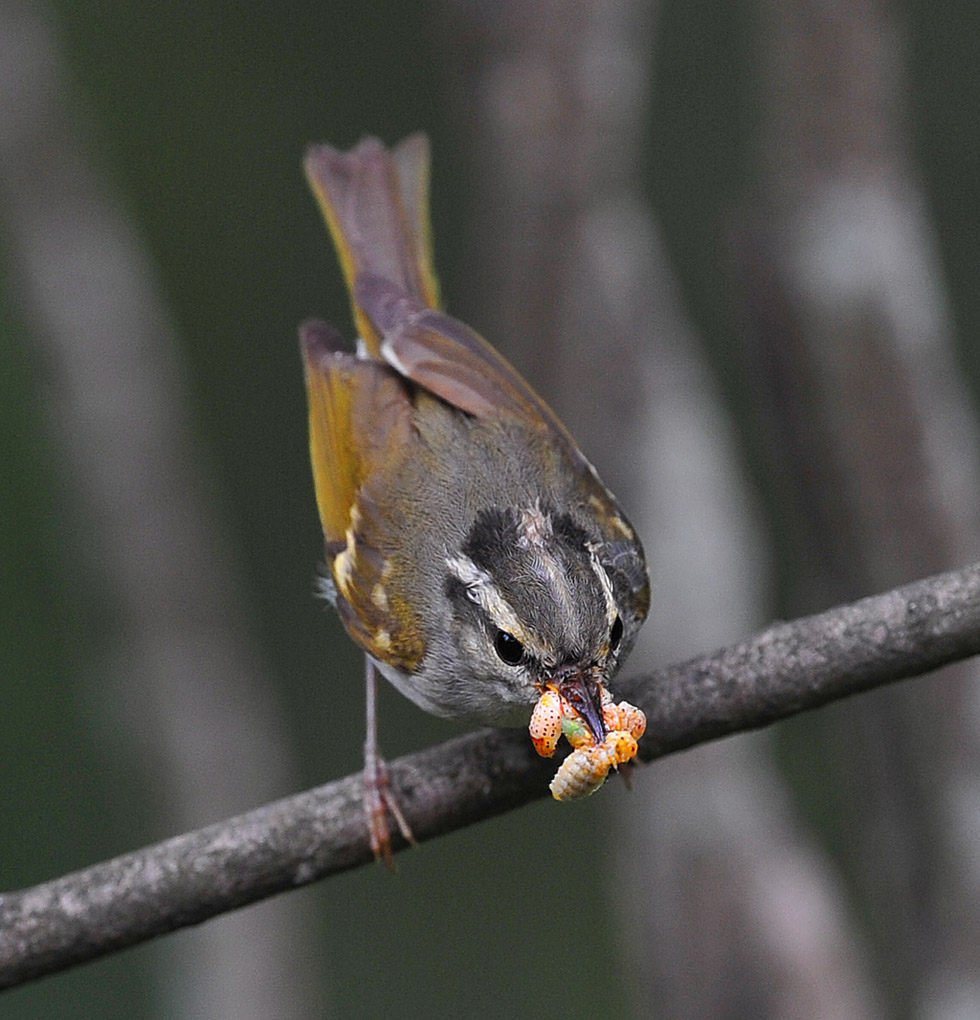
(788, 668)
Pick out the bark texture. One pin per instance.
(785, 669)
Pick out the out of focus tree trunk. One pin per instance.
(870, 456)
(731, 910)
(189, 691)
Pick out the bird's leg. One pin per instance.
(377, 792)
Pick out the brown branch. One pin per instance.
(788, 668)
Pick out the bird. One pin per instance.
(472, 551)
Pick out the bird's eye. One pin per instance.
(616, 634)
(508, 648)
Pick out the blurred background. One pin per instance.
(736, 245)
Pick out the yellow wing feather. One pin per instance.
(360, 415)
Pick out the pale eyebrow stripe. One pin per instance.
(607, 589)
(481, 590)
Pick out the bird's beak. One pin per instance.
(581, 690)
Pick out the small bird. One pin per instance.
(472, 551)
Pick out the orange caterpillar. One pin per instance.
(586, 768)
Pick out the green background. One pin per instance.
(198, 116)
